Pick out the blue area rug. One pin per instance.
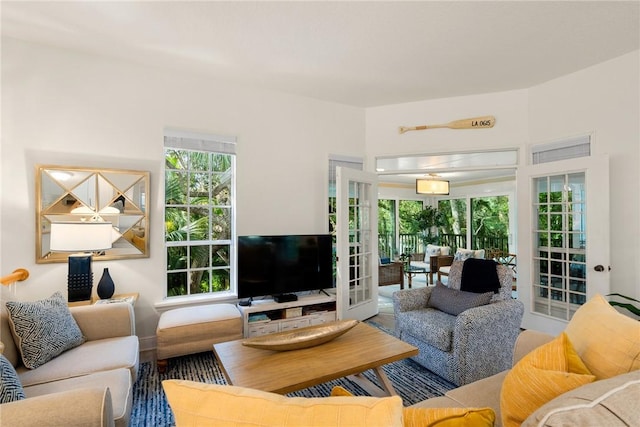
(150, 408)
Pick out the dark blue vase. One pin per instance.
(105, 285)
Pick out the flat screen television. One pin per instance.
(283, 265)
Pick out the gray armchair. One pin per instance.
(475, 344)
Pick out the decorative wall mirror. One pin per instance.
(74, 194)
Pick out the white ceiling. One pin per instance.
(360, 53)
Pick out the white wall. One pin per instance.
(603, 99)
(66, 108)
(511, 128)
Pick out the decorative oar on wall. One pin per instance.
(483, 122)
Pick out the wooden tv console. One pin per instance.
(264, 317)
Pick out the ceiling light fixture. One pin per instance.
(432, 185)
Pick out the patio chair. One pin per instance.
(429, 260)
(444, 262)
(391, 274)
(465, 346)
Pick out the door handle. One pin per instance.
(599, 267)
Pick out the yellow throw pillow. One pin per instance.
(548, 371)
(441, 417)
(607, 341)
(225, 406)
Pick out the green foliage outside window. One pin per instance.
(197, 221)
(489, 217)
(408, 211)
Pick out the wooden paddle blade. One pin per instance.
(482, 122)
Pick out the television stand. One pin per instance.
(267, 316)
(285, 297)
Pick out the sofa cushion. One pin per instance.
(222, 405)
(606, 340)
(434, 250)
(429, 325)
(43, 329)
(92, 356)
(455, 416)
(610, 402)
(464, 254)
(453, 301)
(118, 381)
(543, 374)
(10, 385)
(480, 393)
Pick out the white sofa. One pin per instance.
(89, 385)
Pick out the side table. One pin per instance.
(131, 298)
(413, 271)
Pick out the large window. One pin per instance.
(489, 219)
(387, 247)
(199, 214)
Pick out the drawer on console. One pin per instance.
(320, 318)
(287, 325)
(262, 329)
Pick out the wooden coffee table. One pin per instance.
(358, 350)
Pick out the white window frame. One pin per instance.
(191, 141)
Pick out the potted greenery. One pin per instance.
(428, 220)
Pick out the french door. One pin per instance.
(563, 239)
(356, 243)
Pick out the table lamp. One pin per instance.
(86, 238)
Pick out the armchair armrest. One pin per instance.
(101, 321)
(528, 341)
(484, 338)
(75, 408)
(445, 260)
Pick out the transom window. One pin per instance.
(199, 214)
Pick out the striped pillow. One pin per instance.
(10, 385)
(43, 329)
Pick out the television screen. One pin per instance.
(275, 265)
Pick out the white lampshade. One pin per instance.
(432, 186)
(81, 236)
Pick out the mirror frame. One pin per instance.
(115, 195)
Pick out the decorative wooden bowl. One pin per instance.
(309, 336)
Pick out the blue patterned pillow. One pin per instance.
(453, 301)
(463, 254)
(10, 385)
(43, 329)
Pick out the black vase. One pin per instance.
(105, 285)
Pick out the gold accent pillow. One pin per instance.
(225, 406)
(440, 417)
(607, 341)
(547, 372)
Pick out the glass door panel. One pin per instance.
(357, 244)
